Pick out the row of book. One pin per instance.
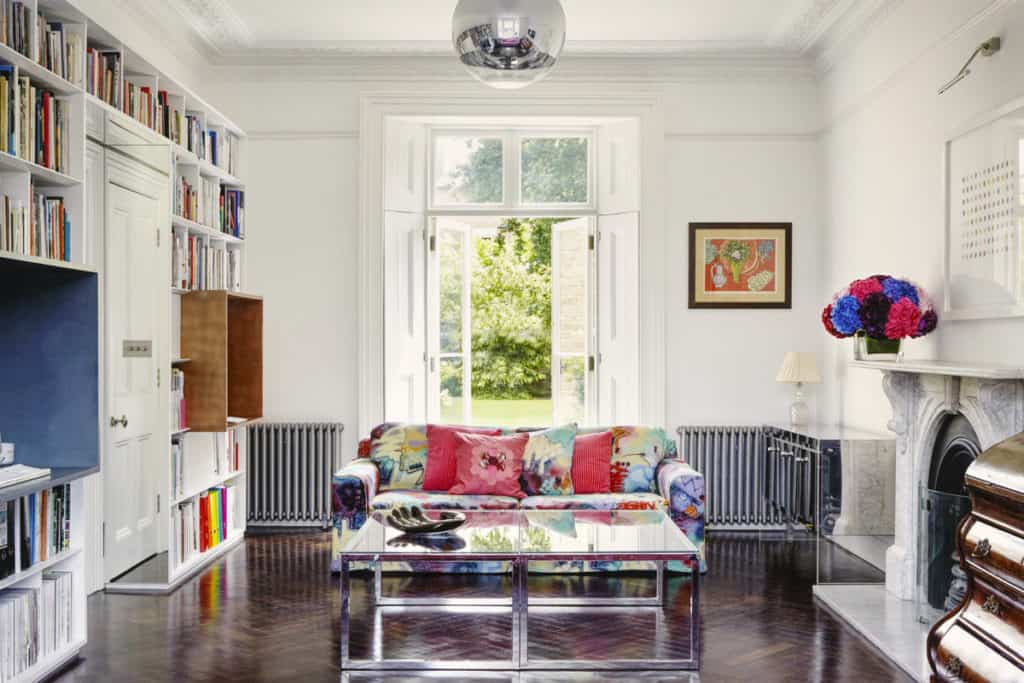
(45, 528)
(204, 522)
(16, 26)
(232, 212)
(223, 150)
(35, 623)
(185, 472)
(103, 70)
(138, 103)
(200, 204)
(44, 121)
(179, 416)
(196, 263)
(44, 230)
(58, 50)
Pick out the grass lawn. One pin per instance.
(499, 412)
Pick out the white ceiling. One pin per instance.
(250, 31)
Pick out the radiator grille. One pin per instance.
(290, 471)
(736, 468)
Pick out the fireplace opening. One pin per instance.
(946, 503)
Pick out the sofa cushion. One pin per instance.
(547, 462)
(489, 464)
(597, 501)
(400, 452)
(442, 501)
(441, 460)
(592, 463)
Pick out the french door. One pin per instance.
(452, 262)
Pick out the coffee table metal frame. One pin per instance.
(520, 603)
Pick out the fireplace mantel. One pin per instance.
(944, 368)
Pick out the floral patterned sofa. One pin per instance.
(646, 474)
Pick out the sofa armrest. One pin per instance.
(683, 488)
(353, 487)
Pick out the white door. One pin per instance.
(450, 370)
(618, 326)
(572, 312)
(405, 337)
(132, 310)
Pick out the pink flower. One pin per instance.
(904, 319)
(863, 288)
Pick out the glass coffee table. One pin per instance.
(519, 537)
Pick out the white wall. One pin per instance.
(739, 147)
(883, 145)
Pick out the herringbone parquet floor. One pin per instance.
(269, 612)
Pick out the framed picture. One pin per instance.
(984, 228)
(741, 265)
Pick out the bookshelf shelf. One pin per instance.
(180, 361)
(51, 664)
(200, 229)
(216, 481)
(179, 432)
(40, 74)
(222, 332)
(46, 262)
(45, 176)
(190, 566)
(38, 568)
(58, 476)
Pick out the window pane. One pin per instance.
(572, 391)
(468, 170)
(554, 171)
(451, 251)
(572, 290)
(451, 390)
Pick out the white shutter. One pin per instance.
(405, 378)
(618, 333)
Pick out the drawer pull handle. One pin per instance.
(982, 550)
(991, 605)
(954, 666)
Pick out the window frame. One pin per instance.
(512, 180)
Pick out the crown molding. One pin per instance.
(849, 30)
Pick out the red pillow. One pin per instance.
(489, 464)
(592, 463)
(439, 474)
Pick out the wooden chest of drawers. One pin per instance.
(983, 639)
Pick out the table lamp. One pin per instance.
(798, 368)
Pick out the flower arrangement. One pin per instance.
(881, 308)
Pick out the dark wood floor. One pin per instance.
(269, 612)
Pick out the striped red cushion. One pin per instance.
(592, 463)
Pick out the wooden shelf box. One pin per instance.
(222, 332)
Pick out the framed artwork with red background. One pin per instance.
(741, 265)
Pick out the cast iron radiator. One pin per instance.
(739, 473)
(290, 471)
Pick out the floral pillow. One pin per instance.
(489, 464)
(636, 452)
(547, 462)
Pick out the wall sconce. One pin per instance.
(986, 49)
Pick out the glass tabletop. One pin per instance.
(547, 533)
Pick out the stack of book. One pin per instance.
(209, 201)
(16, 25)
(228, 453)
(179, 418)
(177, 468)
(197, 264)
(104, 73)
(15, 233)
(186, 200)
(55, 610)
(44, 124)
(232, 212)
(51, 227)
(194, 136)
(45, 525)
(58, 50)
(204, 522)
(19, 631)
(8, 115)
(138, 103)
(169, 119)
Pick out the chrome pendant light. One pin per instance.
(508, 44)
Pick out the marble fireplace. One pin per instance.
(987, 406)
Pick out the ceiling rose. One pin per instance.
(508, 44)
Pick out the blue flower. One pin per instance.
(846, 315)
(897, 289)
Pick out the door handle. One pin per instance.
(123, 421)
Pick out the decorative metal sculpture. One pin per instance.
(412, 521)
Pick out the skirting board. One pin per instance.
(167, 588)
(883, 620)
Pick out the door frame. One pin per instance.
(136, 176)
(642, 106)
